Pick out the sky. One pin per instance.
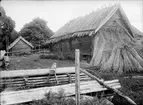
(57, 13)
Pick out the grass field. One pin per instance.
(34, 62)
(132, 87)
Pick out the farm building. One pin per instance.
(106, 35)
(20, 45)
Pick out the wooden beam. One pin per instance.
(77, 76)
(34, 72)
(15, 97)
(109, 87)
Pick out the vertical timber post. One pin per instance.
(77, 76)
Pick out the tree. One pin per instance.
(2, 11)
(14, 35)
(36, 31)
(6, 27)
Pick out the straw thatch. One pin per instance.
(85, 25)
(106, 35)
(137, 32)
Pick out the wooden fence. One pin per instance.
(17, 53)
(78, 86)
(87, 85)
(14, 97)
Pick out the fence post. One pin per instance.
(77, 76)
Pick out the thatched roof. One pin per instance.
(137, 32)
(17, 40)
(88, 22)
(87, 25)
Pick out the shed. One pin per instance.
(106, 35)
(20, 45)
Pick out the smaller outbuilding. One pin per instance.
(20, 45)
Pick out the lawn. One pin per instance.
(34, 62)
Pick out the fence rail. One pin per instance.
(34, 72)
(8, 98)
(28, 52)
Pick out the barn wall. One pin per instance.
(82, 43)
(21, 46)
(85, 45)
(67, 47)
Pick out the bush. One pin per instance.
(57, 56)
(61, 99)
(48, 56)
(133, 88)
(22, 53)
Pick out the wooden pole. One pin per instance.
(77, 76)
(109, 87)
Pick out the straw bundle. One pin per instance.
(121, 60)
(105, 57)
(108, 65)
(135, 63)
(116, 62)
(100, 52)
(121, 63)
(136, 55)
(127, 64)
(96, 42)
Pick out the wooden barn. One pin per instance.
(20, 45)
(106, 35)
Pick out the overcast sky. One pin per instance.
(57, 13)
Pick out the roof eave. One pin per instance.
(71, 35)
